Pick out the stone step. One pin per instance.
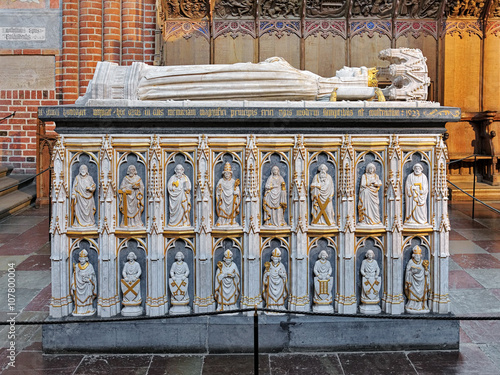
(5, 170)
(14, 182)
(17, 199)
(484, 192)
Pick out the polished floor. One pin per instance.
(474, 290)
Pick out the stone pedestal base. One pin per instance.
(370, 309)
(132, 310)
(179, 310)
(234, 334)
(323, 308)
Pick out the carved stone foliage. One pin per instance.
(416, 28)
(372, 8)
(234, 28)
(326, 8)
(194, 9)
(182, 29)
(280, 8)
(279, 28)
(464, 8)
(325, 28)
(371, 28)
(460, 28)
(419, 9)
(234, 8)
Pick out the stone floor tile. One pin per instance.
(496, 292)
(5, 260)
(23, 297)
(221, 364)
(479, 234)
(489, 278)
(383, 363)
(489, 246)
(35, 263)
(465, 247)
(176, 365)
(468, 223)
(114, 364)
(482, 331)
(27, 279)
(492, 223)
(318, 364)
(469, 361)
(454, 236)
(464, 338)
(26, 219)
(460, 279)
(28, 363)
(33, 211)
(453, 266)
(492, 351)
(25, 244)
(469, 302)
(42, 300)
(481, 261)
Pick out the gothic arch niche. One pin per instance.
(138, 247)
(188, 250)
(92, 248)
(318, 207)
(275, 210)
(186, 160)
(221, 245)
(127, 160)
(376, 244)
(410, 160)
(316, 246)
(91, 161)
(267, 248)
(369, 189)
(223, 205)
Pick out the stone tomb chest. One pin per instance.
(178, 207)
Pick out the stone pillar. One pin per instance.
(251, 228)
(299, 300)
(108, 302)
(157, 301)
(204, 300)
(440, 299)
(61, 303)
(392, 298)
(345, 300)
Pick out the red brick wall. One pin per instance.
(121, 31)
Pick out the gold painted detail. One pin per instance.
(333, 95)
(204, 302)
(300, 301)
(108, 302)
(60, 302)
(251, 301)
(346, 300)
(372, 78)
(379, 94)
(156, 302)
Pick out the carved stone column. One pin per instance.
(108, 303)
(299, 300)
(61, 303)
(392, 299)
(251, 227)
(157, 301)
(345, 300)
(440, 299)
(203, 300)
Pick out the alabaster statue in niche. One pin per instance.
(369, 204)
(417, 283)
(275, 199)
(227, 283)
(417, 189)
(322, 191)
(131, 287)
(370, 284)
(323, 284)
(83, 286)
(179, 198)
(82, 199)
(131, 199)
(274, 282)
(228, 198)
(178, 285)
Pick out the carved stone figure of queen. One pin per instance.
(179, 198)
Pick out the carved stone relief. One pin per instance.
(83, 193)
(131, 280)
(416, 196)
(417, 282)
(275, 282)
(275, 195)
(235, 8)
(464, 8)
(194, 9)
(280, 8)
(369, 8)
(325, 8)
(83, 281)
(227, 276)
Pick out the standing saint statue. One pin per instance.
(179, 198)
(228, 198)
(417, 283)
(322, 191)
(131, 286)
(131, 198)
(275, 199)
(323, 284)
(178, 284)
(369, 204)
(274, 282)
(417, 189)
(227, 284)
(82, 199)
(83, 286)
(370, 284)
